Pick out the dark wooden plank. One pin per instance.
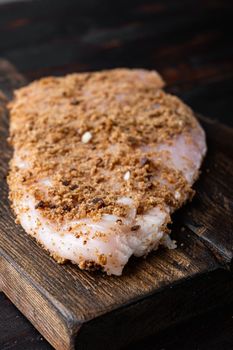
(10, 79)
(16, 332)
(182, 301)
(210, 206)
(209, 331)
(93, 302)
(212, 330)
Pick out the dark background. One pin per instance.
(188, 42)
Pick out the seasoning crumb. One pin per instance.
(132, 140)
(87, 136)
(135, 227)
(177, 195)
(99, 201)
(127, 176)
(40, 205)
(73, 187)
(65, 182)
(102, 259)
(144, 161)
(74, 102)
(66, 207)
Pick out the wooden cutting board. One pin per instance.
(74, 308)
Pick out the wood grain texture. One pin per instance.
(16, 331)
(72, 307)
(212, 330)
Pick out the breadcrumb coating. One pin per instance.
(92, 136)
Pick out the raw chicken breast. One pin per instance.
(101, 160)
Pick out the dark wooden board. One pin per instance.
(71, 307)
(212, 330)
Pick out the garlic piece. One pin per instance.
(177, 195)
(127, 176)
(87, 136)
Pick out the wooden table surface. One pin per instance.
(188, 42)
